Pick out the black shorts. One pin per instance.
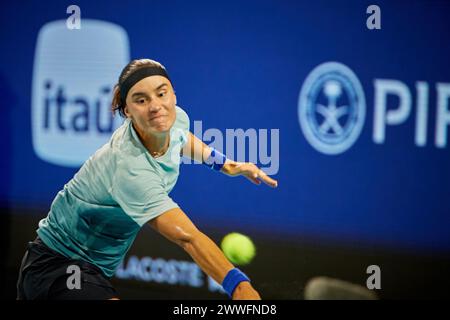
(46, 274)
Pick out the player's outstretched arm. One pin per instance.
(248, 170)
(195, 149)
(178, 228)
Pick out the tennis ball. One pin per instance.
(238, 248)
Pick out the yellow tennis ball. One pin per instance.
(238, 248)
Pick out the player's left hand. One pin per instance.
(248, 170)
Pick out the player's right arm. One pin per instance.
(178, 228)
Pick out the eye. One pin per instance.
(141, 101)
(162, 94)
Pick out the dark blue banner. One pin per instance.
(345, 104)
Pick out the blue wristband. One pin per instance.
(216, 160)
(232, 279)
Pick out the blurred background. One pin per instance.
(367, 186)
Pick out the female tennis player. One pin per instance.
(125, 184)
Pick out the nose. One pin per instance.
(154, 106)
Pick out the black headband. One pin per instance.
(137, 76)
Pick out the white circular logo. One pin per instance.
(331, 108)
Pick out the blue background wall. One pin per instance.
(241, 64)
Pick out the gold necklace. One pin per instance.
(156, 154)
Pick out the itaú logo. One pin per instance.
(73, 75)
(332, 109)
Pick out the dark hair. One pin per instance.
(117, 103)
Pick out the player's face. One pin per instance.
(150, 104)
